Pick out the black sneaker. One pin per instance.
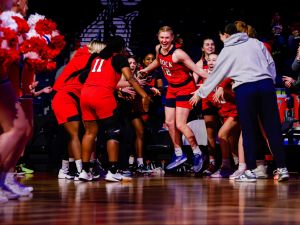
(143, 169)
(130, 170)
(95, 174)
(211, 169)
(70, 175)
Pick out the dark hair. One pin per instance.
(229, 29)
(114, 45)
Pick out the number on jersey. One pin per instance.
(97, 67)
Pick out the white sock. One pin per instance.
(78, 163)
(196, 150)
(65, 165)
(178, 151)
(242, 167)
(71, 159)
(131, 160)
(212, 161)
(140, 161)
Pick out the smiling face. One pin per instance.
(165, 38)
(211, 61)
(149, 58)
(208, 47)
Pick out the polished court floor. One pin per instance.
(154, 200)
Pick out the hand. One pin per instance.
(47, 90)
(155, 91)
(195, 99)
(219, 95)
(146, 102)
(288, 81)
(141, 82)
(33, 86)
(142, 73)
(128, 90)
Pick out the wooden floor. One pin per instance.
(154, 200)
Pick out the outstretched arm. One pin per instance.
(180, 56)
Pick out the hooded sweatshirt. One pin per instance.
(244, 60)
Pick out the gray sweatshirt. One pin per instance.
(244, 60)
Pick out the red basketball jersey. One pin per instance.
(175, 73)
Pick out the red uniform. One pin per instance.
(181, 84)
(65, 103)
(97, 95)
(225, 109)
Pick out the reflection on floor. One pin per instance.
(154, 200)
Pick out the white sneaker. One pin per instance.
(247, 176)
(261, 172)
(62, 174)
(15, 187)
(85, 176)
(282, 174)
(116, 177)
(236, 174)
(10, 195)
(3, 197)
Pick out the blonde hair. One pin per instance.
(95, 46)
(251, 31)
(166, 29)
(241, 26)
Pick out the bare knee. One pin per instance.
(181, 126)
(170, 124)
(223, 136)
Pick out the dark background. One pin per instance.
(191, 18)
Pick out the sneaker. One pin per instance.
(222, 173)
(261, 172)
(275, 175)
(15, 187)
(26, 170)
(10, 195)
(70, 175)
(143, 169)
(176, 161)
(27, 188)
(62, 174)
(210, 169)
(282, 174)
(94, 173)
(236, 174)
(76, 176)
(116, 177)
(247, 176)
(85, 176)
(129, 171)
(198, 162)
(19, 171)
(3, 197)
